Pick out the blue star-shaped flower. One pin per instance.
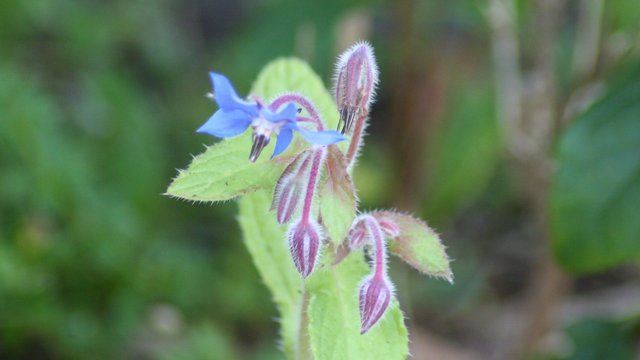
(236, 115)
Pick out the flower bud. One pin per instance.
(288, 202)
(389, 228)
(375, 295)
(358, 235)
(354, 84)
(290, 186)
(304, 244)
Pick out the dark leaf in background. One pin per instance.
(595, 339)
(595, 196)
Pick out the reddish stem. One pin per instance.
(306, 119)
(356, 139)
(380, 261)
(302, 101)
(311, 185)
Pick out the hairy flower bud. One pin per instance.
(290, 187)
(358, 234)
(375, 295)
(389, 228)
(354, 84)
(304, 244)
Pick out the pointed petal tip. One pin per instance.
(325, 137)
(282, 143)
(287, 113)
(225, 124)
(213, 74)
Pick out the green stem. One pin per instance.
(302, 346)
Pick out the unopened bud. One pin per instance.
(304, 244)
(355, 81)
(358, 235)
(375, 295)
(290, 186)
(389, 228)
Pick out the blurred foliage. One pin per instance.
(98, 104)
(598, 338)
(88, 247)
(202, 343)
(596, 189)
(465, 152)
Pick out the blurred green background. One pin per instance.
(99, 101)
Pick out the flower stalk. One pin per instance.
(305, 236)
(313, 219)
(304, 103)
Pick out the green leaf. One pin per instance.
(265, 239)
(337, 197)
(334, 318)
(223, 171)
(418, 245)
(595, 193)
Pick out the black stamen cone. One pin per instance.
(347, 118)
(341, 121)
(259, 143)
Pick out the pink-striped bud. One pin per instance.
(354, 84)
(290, 187)
(358, 235)
(389, 228)
(304, 244)
(375, 295)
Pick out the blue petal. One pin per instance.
(284, 139)
(288, 113)
(227, 98)
(326, 137)
(226, 124)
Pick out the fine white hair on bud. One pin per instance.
(304, 243)
(355, 80)
(389, 228)
(359, 235)
(376, 293)
(290, 187)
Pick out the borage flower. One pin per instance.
(236, 115)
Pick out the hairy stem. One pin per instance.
(302, 346)
(304, 103)
(378, 241)
(356, 139)
(311, 185)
